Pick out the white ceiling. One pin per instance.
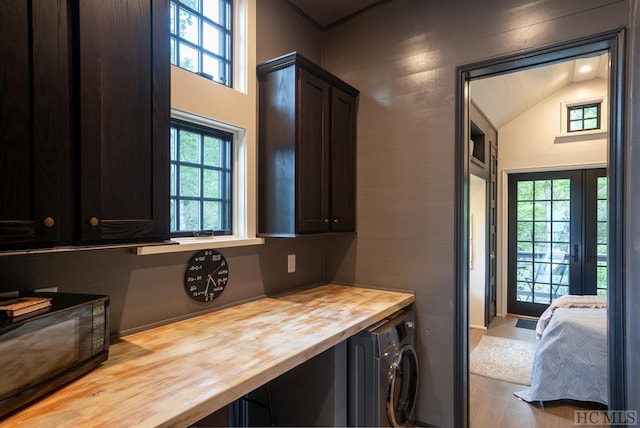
(327, 12)
(505, 97)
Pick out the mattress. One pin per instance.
(570, 361)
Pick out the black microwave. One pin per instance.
(48, 348)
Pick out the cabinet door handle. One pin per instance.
(335, 220)
(326, 220)
(93, 221)
(49, 222)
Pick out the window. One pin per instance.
(201, 180)
(583, 117)
(201, 37)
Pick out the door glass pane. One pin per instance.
(543, 275)
(602, 238)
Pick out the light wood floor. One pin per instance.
(492, 403)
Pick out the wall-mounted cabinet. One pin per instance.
(84, 123)
(307, 149)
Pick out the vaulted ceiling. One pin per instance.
(505, 97)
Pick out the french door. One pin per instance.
(557, 237)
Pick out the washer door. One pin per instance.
(402, 387)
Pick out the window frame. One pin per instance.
(583, 107)
(227, 29)
(226, 169)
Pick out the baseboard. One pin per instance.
(477, 327)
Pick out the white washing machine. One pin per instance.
(383, 373)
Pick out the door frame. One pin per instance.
(614, 43)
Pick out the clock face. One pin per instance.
(206, 275)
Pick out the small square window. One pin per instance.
(201, 178)
(584, 117)
(201, 32)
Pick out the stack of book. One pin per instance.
(22, 305)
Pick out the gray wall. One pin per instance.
(402, 56)
(146, 290)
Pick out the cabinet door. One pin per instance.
(124, 120)
(34, 121)
(343, 161)
(312, 178)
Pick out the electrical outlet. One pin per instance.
(291, 263)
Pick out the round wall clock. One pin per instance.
(206, 275)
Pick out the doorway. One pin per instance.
(557, 237)
(613, 44)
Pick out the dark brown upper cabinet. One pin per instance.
(307, 149)
(84, 122)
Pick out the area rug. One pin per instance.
(525, 323)
(503, 359)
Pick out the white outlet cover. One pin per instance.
(291, 263)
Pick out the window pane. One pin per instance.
(172, 15)
(189, 58)
(525, 190)
(561, 210)
(212, 215)
(602, 210)
(591, 112)
(542, 251)
(602, 233)
(189, 147)
(189, 181)
(173, 180)
(211, 39)
(211, 9)
(525, 251)
(525, 231)
(525, 211)
(602, 188)
(562, 189)
(542, 231)
(172, 220)
(189, 25)
(542, 189)
(542, 211)
(211, 185)
(173, 53)
(575, 126)
(561, 231)
(575, 114)
(193, 4)
(211, 65)
(212, 151)
(591, 124)
(190, 215)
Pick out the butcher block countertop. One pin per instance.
(177, 374)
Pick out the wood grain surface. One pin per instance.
(176, 374)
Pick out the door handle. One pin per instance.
(576, 253)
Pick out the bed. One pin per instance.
(570, 361)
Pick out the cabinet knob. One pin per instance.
(93, 221)
(49, 222)
(335, 220)
(326, 220)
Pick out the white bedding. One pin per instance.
(571, 359)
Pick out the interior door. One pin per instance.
(557, 237)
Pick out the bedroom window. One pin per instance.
(201, 37)
(584, 117)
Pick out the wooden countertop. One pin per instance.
(177, 374)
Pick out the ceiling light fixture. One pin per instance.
(585, 68)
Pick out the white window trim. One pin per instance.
(593, 134)
(234, 110)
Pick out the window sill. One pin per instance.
(581, 136)
(193, 244)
